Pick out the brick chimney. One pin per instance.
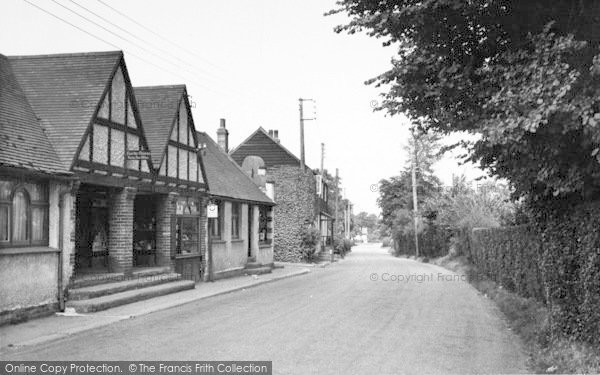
(223, 137)
(274, 134)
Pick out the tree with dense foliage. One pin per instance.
(395, 193)
(520, 74)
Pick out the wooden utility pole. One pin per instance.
(414, 192)
(322, 158)
(302, 119)
(335, 217)
(301, 134)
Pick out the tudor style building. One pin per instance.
(81, 183)
(242, 233)
(301, 195)
(173, 143)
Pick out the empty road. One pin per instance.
(371, 313)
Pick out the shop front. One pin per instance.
(187, 244)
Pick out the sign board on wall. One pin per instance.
(212, 211)
(138, 155)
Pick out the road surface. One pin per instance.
(368, 314)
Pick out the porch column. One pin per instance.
(120, 230)
(254, 230)
(165, 211)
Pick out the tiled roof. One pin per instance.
(23, 143)
(158, 108)
(64, 91)
(261, 144)
(225, 178)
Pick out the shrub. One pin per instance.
(386, 242)
(342, 245)
(310, 239)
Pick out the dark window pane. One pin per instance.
(19, 219)
(3, 223)
(38, 223)
(6, 189)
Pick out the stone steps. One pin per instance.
(251, 265)
(134, 282)
(257, 271)
(105, 278)
(129, 296)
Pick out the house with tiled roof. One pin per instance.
(174, 145)
(301, 194)
(241, 229)
(35, 203)
(119, 227)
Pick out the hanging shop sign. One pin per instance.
(212, 211)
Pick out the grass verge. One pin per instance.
(530, 320)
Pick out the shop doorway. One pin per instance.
(91, 229)
(144, 231)
(250, 213)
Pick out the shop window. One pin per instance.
(215, 225)
(23, 214)
(263, 224)
(235, 220)
(187, 226)
(188, 235)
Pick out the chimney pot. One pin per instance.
(271, 133)
(276, 135)
(223, 136)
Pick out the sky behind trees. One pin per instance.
(247, 62)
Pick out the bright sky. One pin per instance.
(247, 62)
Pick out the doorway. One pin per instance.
(92, 229)
(250, 214)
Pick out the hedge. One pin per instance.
(557, 263)
(433, 242)
(511, 257)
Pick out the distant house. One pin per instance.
(302, 197)
(242, 234)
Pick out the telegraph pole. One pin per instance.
(302, 119)
(322, 157)
(301, 135)
(414, 191)
(335, 217)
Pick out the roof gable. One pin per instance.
(225, 178)
(64, 91)
(261, 144)
(23, 143)
(158, 107)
